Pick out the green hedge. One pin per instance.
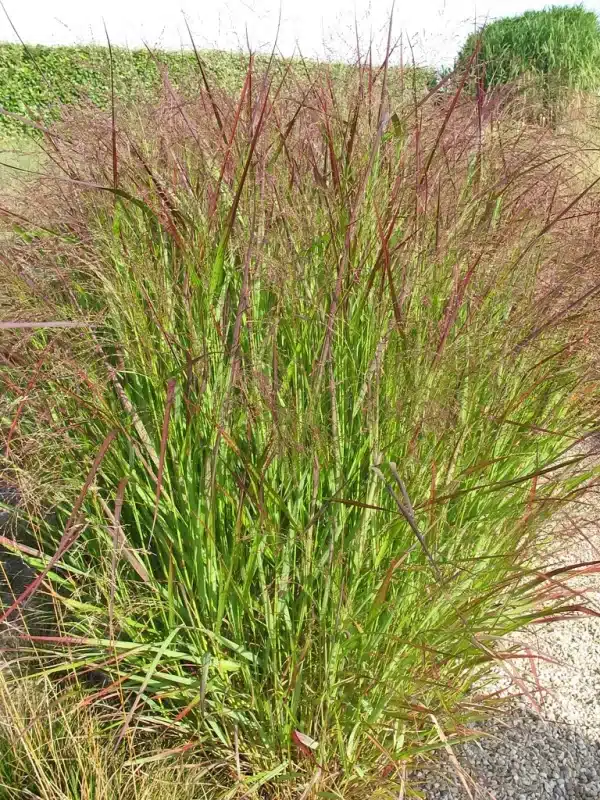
(35, 81)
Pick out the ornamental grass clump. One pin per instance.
(293, 378)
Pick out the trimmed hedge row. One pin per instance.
(35, 81)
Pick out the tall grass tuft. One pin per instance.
(552, 52)
(560, 42)
(317, 394)
(53, 748)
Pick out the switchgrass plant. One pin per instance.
(297, 375)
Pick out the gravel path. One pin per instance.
(546, 746)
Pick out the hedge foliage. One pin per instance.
(35, 81)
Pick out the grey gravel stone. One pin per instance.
(552, 741)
